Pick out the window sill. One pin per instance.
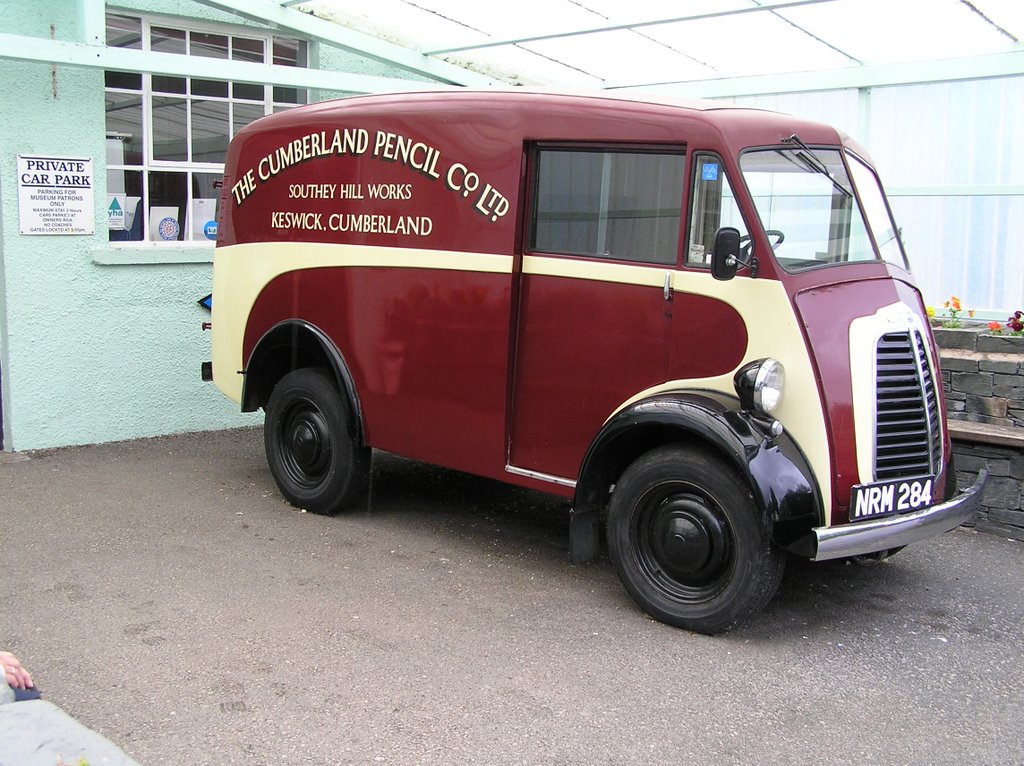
(147, 255)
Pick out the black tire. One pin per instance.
(312, 455)
(688, 543)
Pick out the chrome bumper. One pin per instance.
(882, 534)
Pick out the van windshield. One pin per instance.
(810, 211)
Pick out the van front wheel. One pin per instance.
(312, 456)
(687, 541)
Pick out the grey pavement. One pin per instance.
(164, 596)
(38, 733)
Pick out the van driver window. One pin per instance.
(619, 205)
(714, 206)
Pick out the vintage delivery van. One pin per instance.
(695, 321)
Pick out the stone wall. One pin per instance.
(983, 376)
(983, 380)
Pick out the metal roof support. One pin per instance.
(127, 60)
(305, 25)
(868, 76)
(735, 10)
(864, 112)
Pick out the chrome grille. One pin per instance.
(908, 435)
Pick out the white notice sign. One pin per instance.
(55, 195)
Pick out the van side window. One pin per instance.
(622, 205)
(714, 206)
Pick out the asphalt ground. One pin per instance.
(162, 593)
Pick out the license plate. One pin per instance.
(886, 497)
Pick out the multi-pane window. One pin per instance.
(616, 204)
(167, 136)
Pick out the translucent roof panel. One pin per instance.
(622, 54)
(763, 43)
(890, 31)
(610, 43)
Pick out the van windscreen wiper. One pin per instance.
(807, 156)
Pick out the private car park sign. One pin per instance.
(55, 195)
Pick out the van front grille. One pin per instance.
(908, 430)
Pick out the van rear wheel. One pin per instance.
(312, 455)
(687, 542)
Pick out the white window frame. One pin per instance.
(188, 166)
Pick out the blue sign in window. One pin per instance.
(709, 172)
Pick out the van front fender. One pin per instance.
(779, 477)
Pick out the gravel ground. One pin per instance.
(163, 594)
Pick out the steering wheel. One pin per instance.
(745, 242)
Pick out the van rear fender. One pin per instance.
(778, 475)
(291, 345)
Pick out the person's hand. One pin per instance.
(15, 675)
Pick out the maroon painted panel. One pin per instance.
(427, 350)
(440, 170)
(585, 347)
(353, 180)
(709, 337)
(826, 312)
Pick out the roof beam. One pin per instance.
(736, 10)
(43, 50)
(312, 27)
(945, 70)
(976, 190)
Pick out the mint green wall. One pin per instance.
(96, 344)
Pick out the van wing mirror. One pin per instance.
(725, 253)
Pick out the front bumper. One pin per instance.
(863, 537)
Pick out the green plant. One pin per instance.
(955, 309)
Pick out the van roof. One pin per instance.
(517, 94)
(742, 122)
(524, 93)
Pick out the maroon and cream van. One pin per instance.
(694, 320)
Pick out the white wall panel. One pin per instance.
(952, 157)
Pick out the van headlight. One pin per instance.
(760, 385)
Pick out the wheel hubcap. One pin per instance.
(307, 444)
(688, 540)
(682, 542)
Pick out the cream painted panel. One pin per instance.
(864, 335)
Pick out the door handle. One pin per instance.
(668, 286)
